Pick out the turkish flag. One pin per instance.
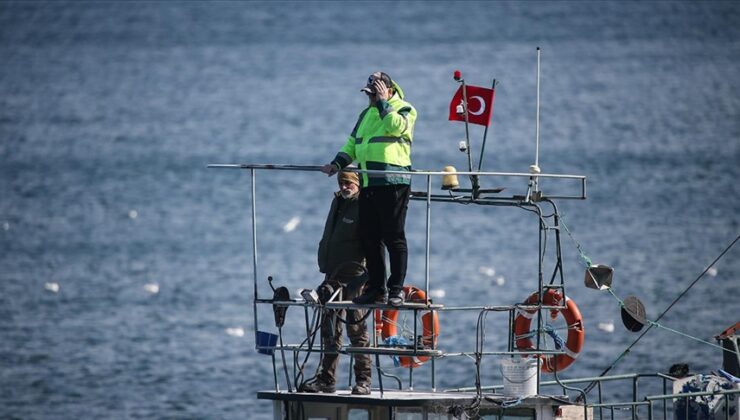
(480, 105)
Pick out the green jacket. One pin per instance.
(381, 140)
(340, 242)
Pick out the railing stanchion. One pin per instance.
(634, 396)
(428, 229)
(254, 250)
(426, 267)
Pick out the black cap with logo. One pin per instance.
(373, 77)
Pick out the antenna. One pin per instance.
(534, 187)
(537, 125)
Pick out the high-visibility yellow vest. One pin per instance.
(381, 140)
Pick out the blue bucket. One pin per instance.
(268, 341)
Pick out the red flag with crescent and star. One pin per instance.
(480, 105)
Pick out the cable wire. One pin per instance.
(627, 350)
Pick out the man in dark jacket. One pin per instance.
(342, 259)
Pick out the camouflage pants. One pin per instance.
(331, 333)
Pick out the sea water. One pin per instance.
(126, 273)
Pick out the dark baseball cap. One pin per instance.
(375, 76)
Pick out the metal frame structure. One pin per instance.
(531, 201)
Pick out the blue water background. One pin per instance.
(113, 110)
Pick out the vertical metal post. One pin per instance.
(537, 125)
(380, 374)
(374, 340)
(308, 323)
(541, 295)
(377, 357)
(416, 349)
(537, 116)
(274, 372)
(428, 238)
(254, 250)
(434, 345)
(665, 405)
(510, 345)
(411, 378)
(583, 188)
(634, 397)
(558, 249)
(426, 265)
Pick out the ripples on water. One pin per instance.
(126, 276)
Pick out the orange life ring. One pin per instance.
(576, 333)
(385, 324)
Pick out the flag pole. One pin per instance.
(473, 178)
(485, 133)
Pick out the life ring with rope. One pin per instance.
(386, 324)
(576, 333)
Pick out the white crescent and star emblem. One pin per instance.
(482, 105)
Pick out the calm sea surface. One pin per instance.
(125, 264)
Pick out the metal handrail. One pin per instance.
(411, 306)
(317, 168)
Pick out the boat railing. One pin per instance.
(604, 409)
(531, 197)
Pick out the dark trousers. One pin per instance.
(382, 221)
(331, 333)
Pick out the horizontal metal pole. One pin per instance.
(285, 302)
(394, 351)
(506, 353)
(404, 352)
(350, 305)
(564, 381)
(391, 351)
(514, 200)
(595, 378)
(620, 404)
(279, 167)
(565, 197)
(313, 168)
(408, 306)
(502, 308)
(405, 305)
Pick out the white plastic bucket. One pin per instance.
(520, 376)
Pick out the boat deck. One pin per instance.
(405, 398)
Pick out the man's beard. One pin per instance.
(346, 194)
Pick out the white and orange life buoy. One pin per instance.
(576, 333)
(386, 325)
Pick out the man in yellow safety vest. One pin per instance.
(381, 140)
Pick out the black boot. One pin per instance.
(318, 385)
(396, 297)
(369, 297)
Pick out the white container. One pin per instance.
(520, 376)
